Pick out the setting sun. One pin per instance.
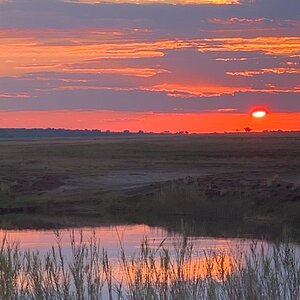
(259, 114)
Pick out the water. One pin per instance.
(129, 237)
(112, 238)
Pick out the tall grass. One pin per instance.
(155, 272)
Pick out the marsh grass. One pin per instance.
(156, 271)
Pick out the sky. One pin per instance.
(153, 65)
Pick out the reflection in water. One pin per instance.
(109, 237)
(160, 268)
(215, 252)
(129, 236)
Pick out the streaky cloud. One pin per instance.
(169, 2)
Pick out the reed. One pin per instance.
(154, 272)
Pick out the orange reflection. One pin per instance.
(221, 121)
(44, 239)
(154, 262)
(160, 268)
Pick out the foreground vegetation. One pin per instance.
(160, 272)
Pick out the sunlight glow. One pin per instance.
(154, 122)
(259, 114)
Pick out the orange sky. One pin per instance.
(119, 121)
(152, 65)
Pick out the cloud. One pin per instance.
(169, 2)
(278, 71)
(20, 55)
(24, 51)
(6, 96)
(230, 59)
(236, 20)
(270, 45)
(126, 71)
(183, 91)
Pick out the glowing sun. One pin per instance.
(259, 114)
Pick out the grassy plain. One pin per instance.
(234, 177)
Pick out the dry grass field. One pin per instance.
(246, 177)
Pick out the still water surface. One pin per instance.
(111, 239)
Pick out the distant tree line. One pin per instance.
(20, 133)
(24, 133)
(45, 133)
